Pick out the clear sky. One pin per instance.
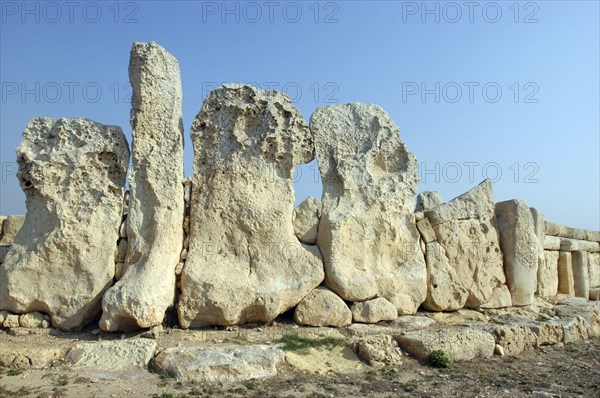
(505, 90)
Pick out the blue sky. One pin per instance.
(505, 90)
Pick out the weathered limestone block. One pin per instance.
(466, 229)
(245, 263)
(306, 220)
(539, 228)
(121, 251)
(31, 320)
(378, 350)
(62, 260)
(2, 218)
(547, 284)
(219, 364)
(581, 277)
(428, 200)
(373, 311)
(514, 338)
(567, 232)
(156, 203)
(565, 274)
(572, 245)
(551, 242)
(367, 232)
(460, 343)
(445, 290)
(10, 229)
(501, 298)
(112, 357)
(520, 247)
(594, 269)
(426, 231)
(322, 307)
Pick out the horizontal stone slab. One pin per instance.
(573, 233)
(576, 245)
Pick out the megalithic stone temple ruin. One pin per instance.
(227, 247)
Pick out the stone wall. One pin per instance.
(227, 247)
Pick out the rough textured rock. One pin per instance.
(460, 343)
(219, 364)
(547, 284)
(62, 260)
(572, 245)
(445, 290)
(545, 332)
(112, 356)
(427, 233)
(378, 351)
(31, 320)
(156, 203)
(594, 269)
(520, 248)
(367, 232)
(565, 274)
(466, 229)
(373, 311)
(567, 232)
(306, 220)
(586, 315)
(428, 200)
(539, 228)
(514, 338)
(3, 252)
(581, 277)
(2, 218)
(24, 355)
(322, 307)
(501, 298)
(245, 263)
(10, 229)
(551, 242)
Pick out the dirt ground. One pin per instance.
(552, 371)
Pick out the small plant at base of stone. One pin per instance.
(438, 359)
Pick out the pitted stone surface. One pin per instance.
(245, 263)
(367, 232)
(62, 260)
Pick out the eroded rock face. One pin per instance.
(520, 246)
(367, 232)
(373, 311)
(547, 284)
(244, 262)
(322, 307)
(428, 200)
(466, 229)
(10, 228)
(306, 220)
(219, 364)
(445, 290)
(62, 260)
(156, 203)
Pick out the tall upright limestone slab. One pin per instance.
(547, 285)
(539, 228)
(62, 260)
(156, 205)
(367, 232)
(245, 263)
(520, 246)
(581, 276)
(565, 274)
(466, 229)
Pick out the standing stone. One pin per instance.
(367, 231)
(10, 229)
(539, 226)
(466, 229)
(445, 289)
(581, 278)
(520, 246)
(594, 269)
(548, 275)
(428, 200)
(156, 204)
(245, 264)
(306, 220)
(565, 274)
(62, 260)
(322, 307)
